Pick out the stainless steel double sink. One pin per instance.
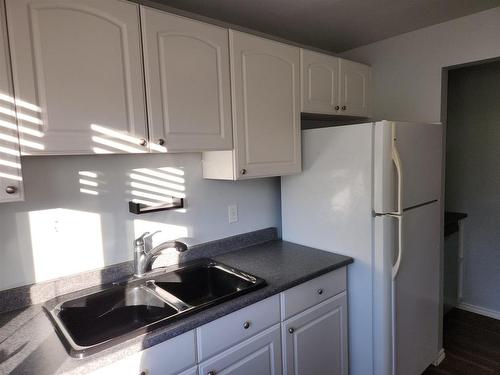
(99, 320)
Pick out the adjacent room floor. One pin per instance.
(472, 345)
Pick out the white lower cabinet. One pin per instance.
(315, 341)
(176, 356)
(261, 354)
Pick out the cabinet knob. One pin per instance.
(291, 330)
(211, 373)
(337, 107)
(320, 291)
(145, 372)
(344, 107)
(246, 325)
(143, 142)
(161, 141)
(243, 171)
(11, 190)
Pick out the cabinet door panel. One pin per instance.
(187, 82)
(315, 341)
(320, 87)
(355, 81)
(11, 186)
(265, 84)
(261, 354)
(78, 66)
(170, 357)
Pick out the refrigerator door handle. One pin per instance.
(399, 170)
(397, 264)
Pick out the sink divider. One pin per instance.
(167, 297)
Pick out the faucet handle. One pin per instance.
(140, 240)
(148, 240)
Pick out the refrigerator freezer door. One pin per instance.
(420, 151)
(384, 173)
(329, 206)
(416, 292)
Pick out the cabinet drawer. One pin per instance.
(222, 333)
(167, 358)
(312, 292)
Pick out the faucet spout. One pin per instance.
(145, 254)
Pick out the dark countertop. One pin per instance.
(30, 345)
(451, 220)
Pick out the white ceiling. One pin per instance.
(334, 25)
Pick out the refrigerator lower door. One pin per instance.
(416, 292)
(385, 243)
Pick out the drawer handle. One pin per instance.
(211, 373)
(11, 190)
(320, 291)
(246, 325)
(291, 330)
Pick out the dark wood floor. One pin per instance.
(471, 343)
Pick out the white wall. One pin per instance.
(59, 230)
(407, 68)
(473, 176)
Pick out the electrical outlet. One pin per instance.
(232, 213)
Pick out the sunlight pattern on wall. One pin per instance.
(156, 186)
(89, 183)
(65, 242)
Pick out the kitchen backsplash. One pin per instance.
(75, 216)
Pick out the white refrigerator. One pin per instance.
(372, 191)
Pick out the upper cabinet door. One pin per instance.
(266, 106)
(77, 66)
(320, 83)
(11, 186)
(355, 89)
(187, 83)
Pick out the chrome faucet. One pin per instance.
(145, 254)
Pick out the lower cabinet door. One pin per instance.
(171, 357)
(260, 354)
(315, 341)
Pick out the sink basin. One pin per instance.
(99, 320)
(206, 283)
(95, 319)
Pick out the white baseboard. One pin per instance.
(479, 310)
(440, 358)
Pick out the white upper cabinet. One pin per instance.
(77, 65)
(355, 89)
(334, 86)
(266, 111)
(320, 83)
(187, 83)
(11, 186)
